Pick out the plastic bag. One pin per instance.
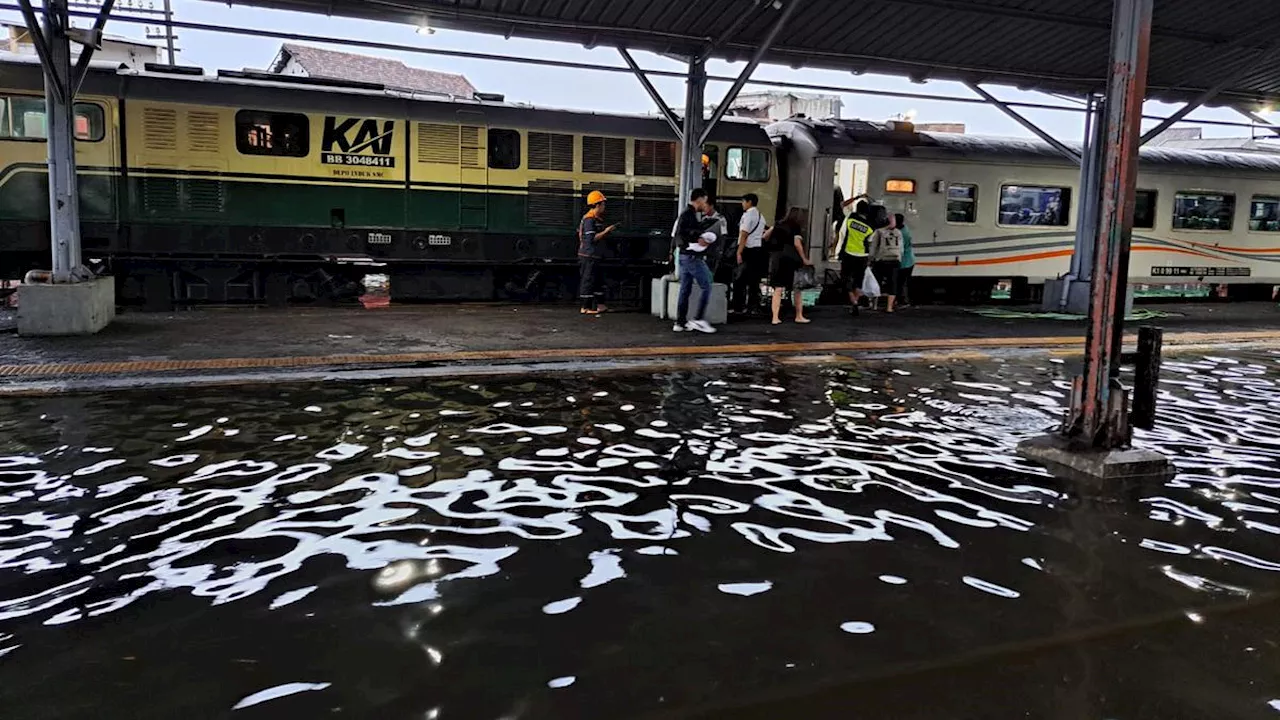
(806, 278)
(870, 286)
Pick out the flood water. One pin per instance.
(772, 541)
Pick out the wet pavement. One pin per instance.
(263, 333)
(806, 541)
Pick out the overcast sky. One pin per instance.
(598, 91)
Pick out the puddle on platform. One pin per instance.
(813, 540)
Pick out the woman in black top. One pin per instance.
(787, 254)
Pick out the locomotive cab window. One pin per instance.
(1144, 210)
(1203, 211)
(747, 164)
(962, 204)
(268, 133)
(23, 117)
(1264, 214)
(504, 149)
(1035, 205)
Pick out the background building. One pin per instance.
(1193, 139)
(308, 61)
(115, 48)
(941, 127)
(771, 106)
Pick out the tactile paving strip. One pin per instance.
(138, 367)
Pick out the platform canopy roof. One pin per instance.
(1051, 45)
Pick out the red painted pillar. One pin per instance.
(1099, 412)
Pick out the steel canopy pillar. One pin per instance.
(690, 150)
(64, 203)
(67, 300)
(1071, 292)
(1099, 414)
(1093, 439)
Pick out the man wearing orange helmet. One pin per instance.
(591, 232)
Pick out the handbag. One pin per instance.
(806, 278)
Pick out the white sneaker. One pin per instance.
(679, 328)
(701, 326)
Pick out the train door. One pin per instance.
(711, 171)
(473, 209)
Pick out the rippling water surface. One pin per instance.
(808, 541)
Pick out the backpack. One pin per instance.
(889, 245)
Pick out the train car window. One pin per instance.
(504, 149)
(655, 158)
(1144, 210)
(27, 119)
(91, 124)
(1203, 211)
(962, 203)
(1264, 214)
(747, 164)
(1035, 205)
(900, 186)
(23, 117)
(268, 133)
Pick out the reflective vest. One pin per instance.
(587, 239)
(857, 233)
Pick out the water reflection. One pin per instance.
(622, 546)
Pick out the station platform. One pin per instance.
(227, 344)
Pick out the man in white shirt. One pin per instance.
(753, 259)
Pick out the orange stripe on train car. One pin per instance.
(1001, 261)
(1056, 254)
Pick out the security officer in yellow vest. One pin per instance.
(851, 242)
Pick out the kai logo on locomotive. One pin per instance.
(358, 142)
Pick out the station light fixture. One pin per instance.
(424, 27)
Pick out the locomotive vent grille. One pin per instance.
(160, 129)
(655, 158)
(204, 196)
(159, 196)
(604, 155)
(202, 132)
(472, 147)
(551, 203)
(654, 206)
(550, 151)
(438, 143)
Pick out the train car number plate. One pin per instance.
(1201, 272)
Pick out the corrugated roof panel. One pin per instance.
(1045, 44)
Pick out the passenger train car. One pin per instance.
(984, 209)
(265, 188)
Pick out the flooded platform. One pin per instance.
(244, 344)
(757, 541)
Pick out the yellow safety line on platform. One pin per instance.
(251, 363)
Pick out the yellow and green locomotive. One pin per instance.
(247, 187)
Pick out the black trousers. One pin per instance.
(588, 283)
(746, 281)
(904, 280)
